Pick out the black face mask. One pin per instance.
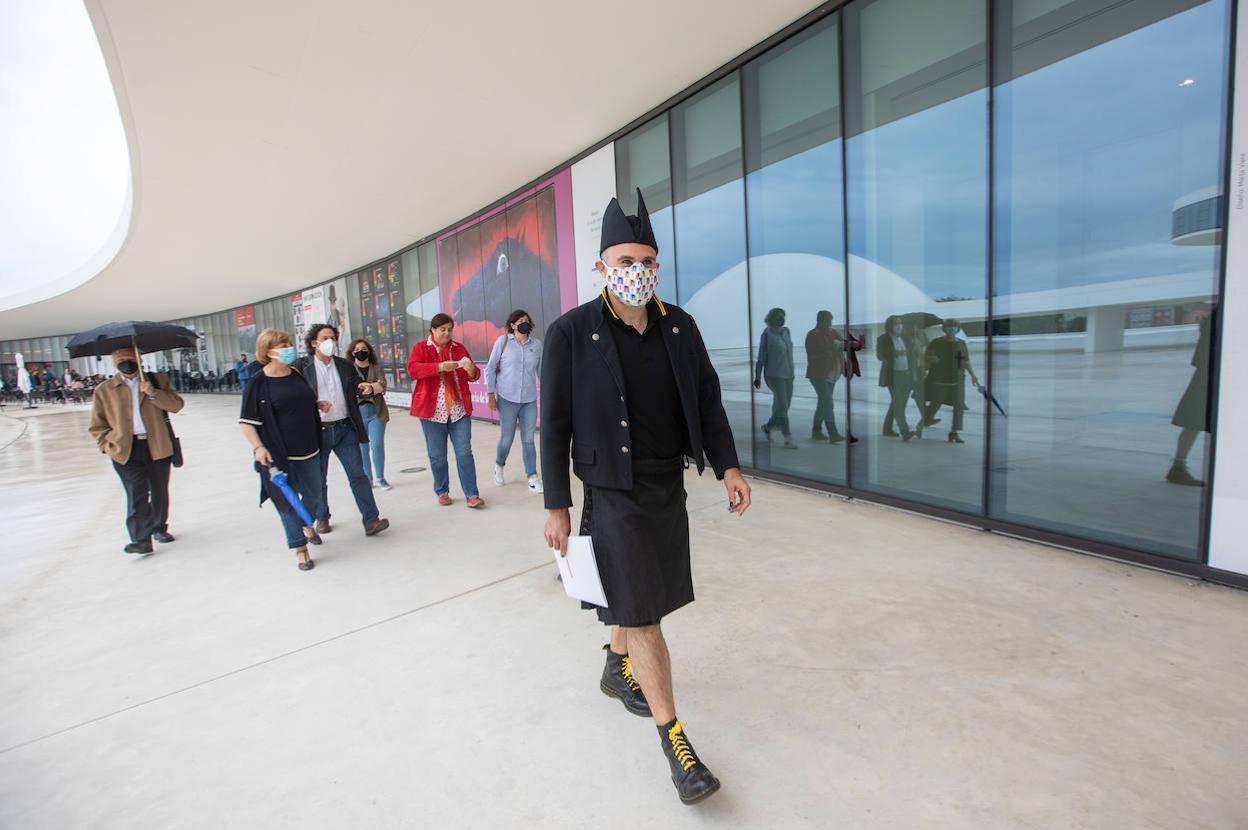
(361, 356)
(127, 367)
(525, 327)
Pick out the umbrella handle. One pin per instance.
(138, 358)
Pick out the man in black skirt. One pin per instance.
(630, 395)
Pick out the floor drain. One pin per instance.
(412, 470)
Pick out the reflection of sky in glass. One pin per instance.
(711, 236)
(795, 204)
(1094, 150)
(918, 196)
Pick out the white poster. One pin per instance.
(593, 186)
(1229, 521)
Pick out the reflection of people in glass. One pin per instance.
(775, 363)
(898, 362)
(825, 362)
(1192, 413)
(948, 362)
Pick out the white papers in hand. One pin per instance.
(579, 570)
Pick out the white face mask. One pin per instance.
(328, 347)
(634, 285)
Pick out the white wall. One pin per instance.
(593, 186)
(1227, 549)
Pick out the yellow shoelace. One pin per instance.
(684, 753)
(628, 676)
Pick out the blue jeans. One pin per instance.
(460, 434)
(376, 466)
(306, 479)
(508, 415)
(341, 440)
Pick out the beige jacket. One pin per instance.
(112, 418)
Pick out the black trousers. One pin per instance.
(147, 492)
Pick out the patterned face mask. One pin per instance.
(634, 285)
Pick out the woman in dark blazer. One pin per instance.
(898, 363)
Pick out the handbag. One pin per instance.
(173, 437)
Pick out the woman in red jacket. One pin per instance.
(442, 370)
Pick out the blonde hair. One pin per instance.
(268, 340)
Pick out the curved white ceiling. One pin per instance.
(274, 144)
(65, 200)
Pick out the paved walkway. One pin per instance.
(844, 666)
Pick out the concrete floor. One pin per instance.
(844, 666)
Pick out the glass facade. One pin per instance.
(962, 256)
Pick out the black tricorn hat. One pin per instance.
(619, 229)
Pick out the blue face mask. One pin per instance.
(287, 355)
(951, 330)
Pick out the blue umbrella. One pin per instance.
(282, 481)
(989, 397)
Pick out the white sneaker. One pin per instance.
(498, 476)
(382, 484)
(535, 485)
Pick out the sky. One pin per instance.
(64, 165)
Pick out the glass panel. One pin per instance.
(917, 195)
(643, 160)
(710, 241)
(797, 253)
(1108, 171)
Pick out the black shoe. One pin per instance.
(693, 780)
(139, 547)
(1179, 474)
(618, 682)
(954, 438)
(930, 422)
(853, 440)
(163, 536)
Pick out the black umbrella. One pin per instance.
(988, 396)
(142, 335)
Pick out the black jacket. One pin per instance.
(886, 351)
(350, 384)
(585, 415)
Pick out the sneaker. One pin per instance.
(498, 476)
(818, 436)
(535, 485)
(475, 502)
(445, 500)
(618, 682)
(1179, 474)
(692, 779)
(382, 484)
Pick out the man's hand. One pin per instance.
(739, 498)
(262, 455)
(558, 528)
(324, 406)
(492, 400)
(147, 389)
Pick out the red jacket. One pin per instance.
(422, 366)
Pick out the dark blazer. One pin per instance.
(886, 351)
(585, 415)
(346, 375)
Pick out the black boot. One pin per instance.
(1179, 474)
(693, 780)
(618, 682)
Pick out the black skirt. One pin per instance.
(641, 542)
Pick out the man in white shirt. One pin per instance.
(342, 427)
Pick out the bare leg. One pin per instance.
(619, 640)
(652, 666)
(1187, 440)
